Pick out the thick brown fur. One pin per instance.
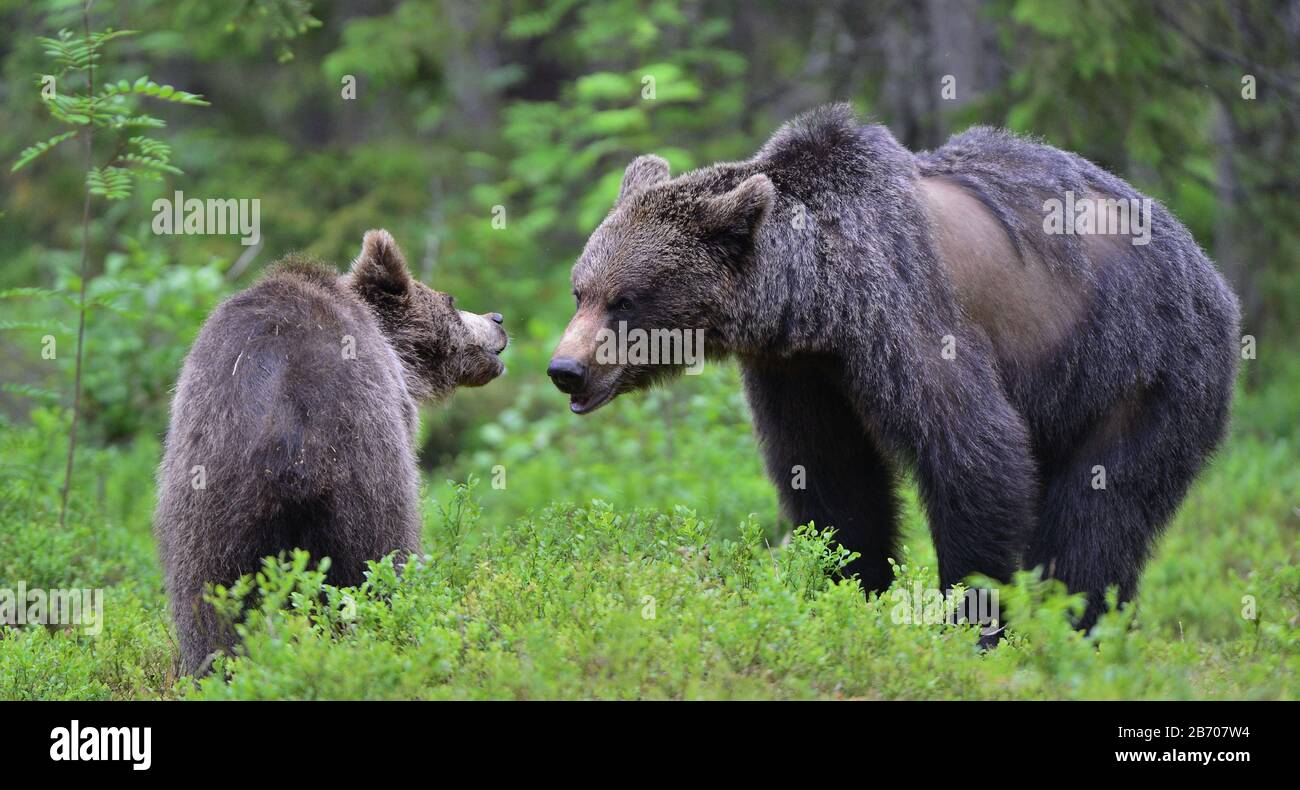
(293, 426)
(838, 267)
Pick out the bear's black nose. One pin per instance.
(500, 319)
(568, 374)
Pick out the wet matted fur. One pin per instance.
(296, 411)
(837, 267)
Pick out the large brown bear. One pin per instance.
(293, 426)
(1055, 385)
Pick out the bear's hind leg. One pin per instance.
(1105, 503)
(825, 467)
(205, 557)
(367, 524)
(199, 632)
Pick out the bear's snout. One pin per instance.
(568, 374)
(486, 330)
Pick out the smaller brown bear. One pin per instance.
(293, 426)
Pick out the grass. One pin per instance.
(647, 599)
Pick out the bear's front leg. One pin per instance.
(824, 466)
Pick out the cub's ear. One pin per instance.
(643, 173)
(380, 264)
(737, 213)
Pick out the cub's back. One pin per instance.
(285, 381)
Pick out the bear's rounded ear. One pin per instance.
(739, 212)
(643, 173)
(380, 264)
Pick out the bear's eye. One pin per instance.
(623, 305)
(577, 298)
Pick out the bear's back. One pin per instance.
(289, 394)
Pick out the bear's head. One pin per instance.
(440, 346)
(658, 276)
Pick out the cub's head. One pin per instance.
(655, 278)
(441, 346)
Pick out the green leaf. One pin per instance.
(70, 109)
(152, 156)
(139, 121)
(32, 152)
(38, 293)
(147, 87)
(605, 85)
(112, 183)
(49, 327)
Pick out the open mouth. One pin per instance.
(586, 403)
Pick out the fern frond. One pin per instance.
(149, 165)
(31, 152)
(70, 109)
(138, 121)
(147, 87)
(37, 293)
(49, 327)
(109, 34)
(79, 53)
(151, 147)
(113, 183)
(153, 157)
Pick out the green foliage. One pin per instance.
(113, 183)
(32, 151)
(591, 602)
(689, 444)
(535, 589)
(279, 20)
(134, 156)
(107, 109)
(554, 604)
(79, 53)
(143, 86)
(149, 309)
(146, 309)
